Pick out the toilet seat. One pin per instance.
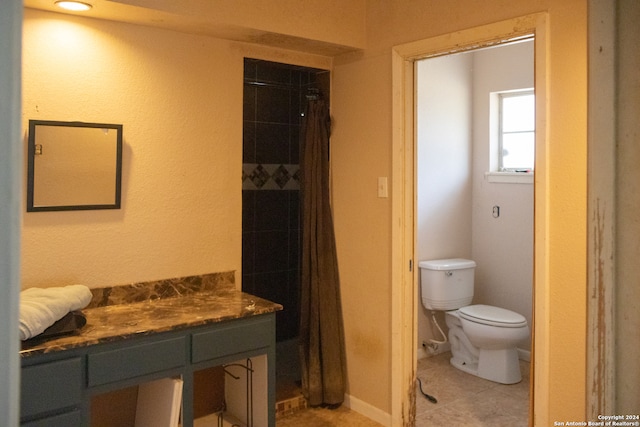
(492, 316)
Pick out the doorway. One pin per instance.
(474, 200)
(405, 296)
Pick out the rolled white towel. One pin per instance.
(41, 308)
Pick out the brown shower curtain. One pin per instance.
(321, 330)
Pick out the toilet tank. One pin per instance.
(446, 284)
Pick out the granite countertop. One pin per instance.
(109, 323)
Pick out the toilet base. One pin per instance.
(468, 367)
(501, 366)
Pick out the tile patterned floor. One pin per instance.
(463, 400)
(466, 400)
(322, 417)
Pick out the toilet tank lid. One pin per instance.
(447, 264)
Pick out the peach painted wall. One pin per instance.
(361, 152)
(179, 98)
(182, 150)
(329, 21)
(359, 155)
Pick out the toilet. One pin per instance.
(483, 338)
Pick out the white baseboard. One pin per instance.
(442, 348)
(524, 355)
(367, 410)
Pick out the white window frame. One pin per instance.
(501, 97)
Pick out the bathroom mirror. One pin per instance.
(73, 166)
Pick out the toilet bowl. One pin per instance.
(483, 338)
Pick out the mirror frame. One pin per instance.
(31, 166)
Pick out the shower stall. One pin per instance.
(275, 99)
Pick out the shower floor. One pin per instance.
(287, 370)
(289, 399)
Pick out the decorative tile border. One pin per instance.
(290, 406)
(270, 176)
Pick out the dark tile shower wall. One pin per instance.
(274, 98)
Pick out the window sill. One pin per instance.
(509, 177)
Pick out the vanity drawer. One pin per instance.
(236, 337)
(136, 360)
(50, 386)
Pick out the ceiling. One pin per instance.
(211, 18)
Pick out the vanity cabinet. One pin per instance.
(135, 360)
(57, 386)
(53, 389)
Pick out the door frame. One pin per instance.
(11, 169)
(404, 295)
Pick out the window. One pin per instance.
(517, 131)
